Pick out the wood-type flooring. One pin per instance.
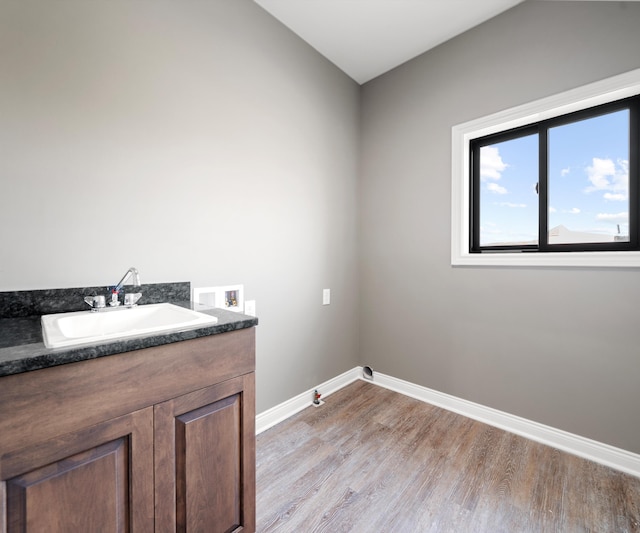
(374, 461)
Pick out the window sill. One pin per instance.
(555, 259)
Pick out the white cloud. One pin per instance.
(491, 163)
(552, 209)
(613, 217)
(600, 173)
(574, 211)
(610, 176)
(615, 197)
(565, 171)
(495, 188)
(511, 204)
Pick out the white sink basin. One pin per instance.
(85, 327)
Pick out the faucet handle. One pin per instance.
(130, 299)
(95, 302)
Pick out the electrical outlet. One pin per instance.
(326, 296)
(250, 307)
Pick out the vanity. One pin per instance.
(151, 433)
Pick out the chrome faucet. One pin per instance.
(98, 303)
(129, 299)
(133, 271)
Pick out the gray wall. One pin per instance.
(202, 141)
(558, 346)
(198, 141)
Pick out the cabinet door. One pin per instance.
(205, 459)
(94, 480)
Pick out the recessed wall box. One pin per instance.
(206, 296)
(229, 297)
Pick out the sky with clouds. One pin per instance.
(588, 189)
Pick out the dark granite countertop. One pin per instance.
(22, 348)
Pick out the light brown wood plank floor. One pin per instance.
(374, 461)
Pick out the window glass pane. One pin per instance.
(588, 181)
(508, 199)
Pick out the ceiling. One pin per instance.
(366, 38)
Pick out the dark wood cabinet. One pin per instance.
(96, 479)
(161, 439)
(189, 470)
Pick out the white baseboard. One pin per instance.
(280, 412)
(592, 450)
(598, 452)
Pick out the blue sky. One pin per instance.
(588, 181)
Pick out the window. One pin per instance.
(505, 177)
(554, 182)
(560, 185)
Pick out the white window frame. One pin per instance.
(601, 92)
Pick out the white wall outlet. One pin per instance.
(326, 296)
(250, 307)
